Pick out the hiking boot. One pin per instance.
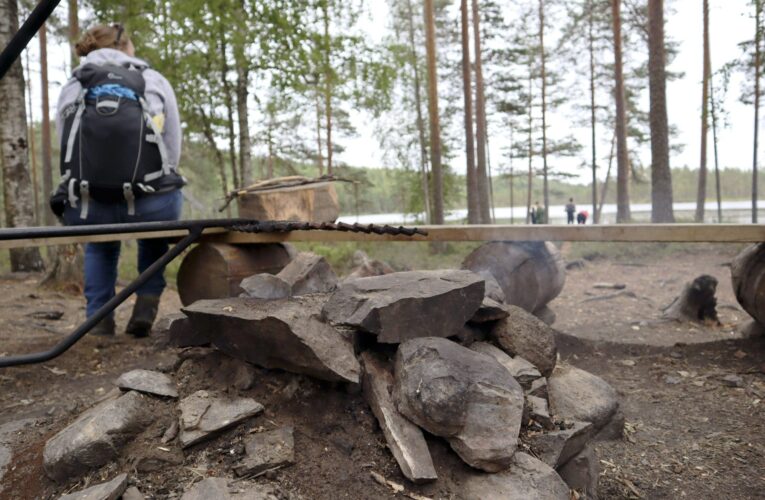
(144, 313)
(104, 328)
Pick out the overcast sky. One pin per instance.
(730, 24)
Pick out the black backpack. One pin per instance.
(111, 149)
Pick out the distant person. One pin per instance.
(533, 215)
(570, 211)
(541, 215)
(121, 142)
(581, 217)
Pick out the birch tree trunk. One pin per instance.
(474, 209)
(14, 147)
(661, 176)
(433, 114)
(701, 194)
(622, 157)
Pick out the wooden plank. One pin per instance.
(689, 233)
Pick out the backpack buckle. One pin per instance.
(85, 195)
(127, 192)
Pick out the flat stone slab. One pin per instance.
(266, 286)
(288, 334)
(526, 479)
(522, 371)
(219, 488)
(539, 411)
(522, 334)
(575, 394)
(267, 450)
(400, 306)
(203, 415)
(111, 490)
(96, 437)
(149, 382)
(465, 396)
(490, 310)
(558, 447)
(405, 440)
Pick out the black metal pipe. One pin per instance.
(106, 309)
(23, 233)
(21, 39)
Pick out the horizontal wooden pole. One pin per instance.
(689, 233)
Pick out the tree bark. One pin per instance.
(319, 147)
(543, 78)
(474, 209)
(591, 49)
(661, 176)
(32, 141)
(529, 103)
(14, 147)
(243, 113)
(74, 32)
(757, 74)
(484, 203)
(327, 86)
(622, 156)
(433, 114)
(229, 102)
(701, 194)
(714, 141)
(47, 162)
(420, 120)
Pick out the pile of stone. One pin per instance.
(435, 351)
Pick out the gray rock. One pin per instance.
(538, 388)
(148, 382)
(267, 450)
(219, 369)
(546, 315)
(614, 429)
(521, 334)
(96, 437)
(751, 330)
(265, 286)
(111, 490)
(527, 479)
(581, 473)
(182, 333)
(521, 370)
(468, 334)
(539, 411)
(406, 305)
(152, 459)
(309, 273)
(493, 290)
(203, 415)
(405, 440)
(7, 431)
(732, 380)
(287, 334)
(578, 395)
(558, 447)
(531, 274)
(219, 488)
(171, 432)
(490, 310)
(465, 396)
(364, 267)
(133, 493)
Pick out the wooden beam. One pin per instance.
(688, 233)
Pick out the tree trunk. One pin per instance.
(661, 176)
(473, 197)
(530, 142)
(433, 114)
(327, 86)
(622, 156)
(714, 141)
(420, 120)
(74, 32)
(543, 77)
(32, 141)
(701, 194)
(603, 193)
(243, 113)
(229, 102)
(591, 49)
(757, 63)
(47, 163)
(210, 137)
(319, 153)
(480, 122)
(14, 148)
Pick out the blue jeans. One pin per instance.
(101, 258)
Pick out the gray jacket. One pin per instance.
(159, 95)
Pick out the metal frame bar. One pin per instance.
(21, 39)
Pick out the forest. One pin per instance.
(280, 87)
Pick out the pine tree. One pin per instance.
(707, 71)
(473, 195)
(433, 113)
(622, 156)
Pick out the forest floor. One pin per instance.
(689, 433)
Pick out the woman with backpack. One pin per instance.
(120, 134)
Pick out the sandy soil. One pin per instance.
(689, 434)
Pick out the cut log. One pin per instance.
(215, 270)
(531, 274)
(697, 302)
(748, 276)
(311, 202)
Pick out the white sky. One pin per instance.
(729, 25)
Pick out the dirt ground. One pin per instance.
(689, 433)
